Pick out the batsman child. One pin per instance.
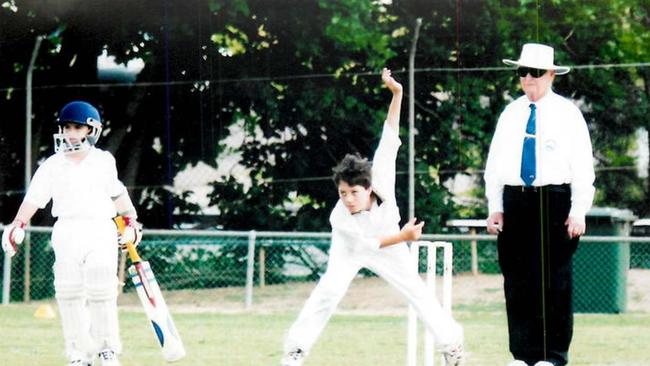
(366, 233)
(81, 180)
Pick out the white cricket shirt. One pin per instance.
(77, 189)
(564, 153)
(363, 230)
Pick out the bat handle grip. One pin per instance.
(133, 253)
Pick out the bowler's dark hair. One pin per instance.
(353, 170)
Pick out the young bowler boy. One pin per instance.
(366, 234)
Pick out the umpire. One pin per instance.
(539, 184)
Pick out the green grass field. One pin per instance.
(255, 339)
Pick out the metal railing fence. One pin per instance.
(191, 260)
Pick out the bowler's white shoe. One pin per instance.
(295, 357)
(109, 358)
(544, 363)
(517, 363)
(454, 356)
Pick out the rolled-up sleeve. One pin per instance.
(39, 192)
(115, 187)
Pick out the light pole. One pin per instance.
(411, 349)
(416, 34)
(6, 279)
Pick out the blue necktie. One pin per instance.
(528, 160)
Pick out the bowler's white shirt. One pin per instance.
(77, 189)
(564, 153)
(363, 230)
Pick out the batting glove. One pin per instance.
(132, 233)
(12, 235)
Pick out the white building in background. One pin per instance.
(463, 186)
(197, 178)
(109, 70)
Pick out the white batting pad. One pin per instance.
(101, 289)
(68, 284)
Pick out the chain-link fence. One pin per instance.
(267, 269)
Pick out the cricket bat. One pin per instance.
(152, 300)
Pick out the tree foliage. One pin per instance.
(298, 82)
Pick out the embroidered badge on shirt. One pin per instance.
(550, 145)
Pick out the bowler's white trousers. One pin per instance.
(393, 264)
(85, 281)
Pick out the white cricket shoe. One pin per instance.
(544, 363)
(78, 358)
(109, 358)
(517, 363)
(455, 355)
(295, 357)
(79, 363)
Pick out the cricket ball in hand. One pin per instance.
(18, 235)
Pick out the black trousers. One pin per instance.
(535, 255)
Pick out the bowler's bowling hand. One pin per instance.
(390, 82)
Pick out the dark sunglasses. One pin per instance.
(536, 73)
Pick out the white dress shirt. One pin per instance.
(77, 189)
(362, 230)
(563, 147)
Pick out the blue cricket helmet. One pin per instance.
(79, 112)
(82, 113)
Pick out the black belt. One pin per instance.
(556, 188)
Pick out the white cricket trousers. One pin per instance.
(393, 264)
(85, 283)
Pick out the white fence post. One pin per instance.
(412, 325)
(6, 280)
(250, 269)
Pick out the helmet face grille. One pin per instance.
(63, 144)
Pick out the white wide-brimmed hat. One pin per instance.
(537, 56)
